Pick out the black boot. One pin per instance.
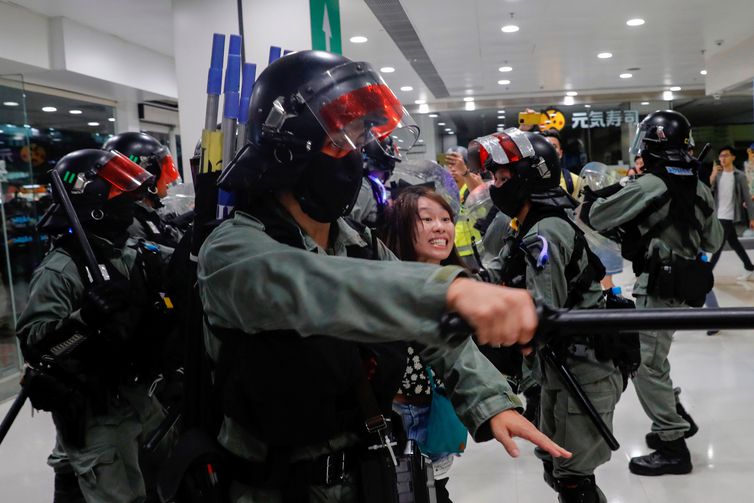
(653, 439)
(671, 457)
(579, 490)
(67, 488)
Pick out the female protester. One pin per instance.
(547, 254)
(420, 228)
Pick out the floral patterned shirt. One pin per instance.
(415, 379)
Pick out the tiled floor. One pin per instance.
(716, 374)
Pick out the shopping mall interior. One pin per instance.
(73, 73)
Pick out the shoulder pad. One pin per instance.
(58, 260)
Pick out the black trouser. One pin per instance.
(732, 239)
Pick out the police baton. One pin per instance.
(560, 322)
(15, 408)
(73, 220)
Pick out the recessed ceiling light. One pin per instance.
(703, 72)
(500, 125)
(505, 69)
(92, 123)
(501, 116)
(625, 75)
(635, 22)
(111, 119)
(75, 112)
(448, 129)
(645, 103)
(470, 106)
(468, 98)
(423, 109)
(440, 123)
(675, 88)
(420, 102)
(433, 115)
(501, 111)
(451, 132)
(504, 82)
(568, 100)
(587, 106)
(358, 39)
(509, 28)
(572, 93)
(667, 95)
(49, 109)
(387, 69)
(10, 103)
(605, 55)
(407, 88)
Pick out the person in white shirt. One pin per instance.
(733, 205)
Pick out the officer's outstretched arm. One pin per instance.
(510, 423)
(483, 399)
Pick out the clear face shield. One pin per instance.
(354, 106)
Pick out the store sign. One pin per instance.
(325, 22)
(610, 118)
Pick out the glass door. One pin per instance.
(21, 202)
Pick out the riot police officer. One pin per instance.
(96, 392)
(295, 300)
(379, 162)
(154, 157)
(547, 254)
(666, 219)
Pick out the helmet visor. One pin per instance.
(354, 106)
(123, 174)
(168, 172)
(635, 148)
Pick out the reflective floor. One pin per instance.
(716, 375)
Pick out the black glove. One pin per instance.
(102, 300)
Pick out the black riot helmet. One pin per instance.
(381, 156)
(664, 135)
(312, 113)
(150, 154)
(102, 187)
(533, 163)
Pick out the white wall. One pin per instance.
(284, 23)
(80, 49)
(730, 68)
(23, 36)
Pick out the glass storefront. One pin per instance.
(36, 130)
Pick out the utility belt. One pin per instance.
(622, 349)
(204, 471)
(680, 278)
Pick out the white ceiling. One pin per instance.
(556, 47)
(148, 23)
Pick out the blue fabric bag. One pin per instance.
(446, 434)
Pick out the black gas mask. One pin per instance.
(328, 187)
(510, 198)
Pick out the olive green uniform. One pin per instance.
(107, 465)
(251, 282)
(652, 382)
(561, 417)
